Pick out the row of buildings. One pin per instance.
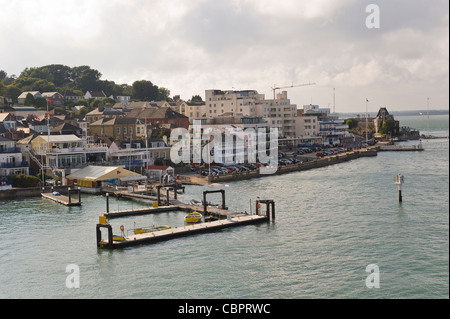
(121, 134)
(309, 124)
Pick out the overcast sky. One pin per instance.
(188, 46)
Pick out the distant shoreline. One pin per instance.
(345, 115)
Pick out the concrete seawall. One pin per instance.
(18, 193)
(316, 163)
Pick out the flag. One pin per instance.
(48, 100)
(37, 118)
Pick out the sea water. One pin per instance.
(331, 224)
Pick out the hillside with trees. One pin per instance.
(80, 79)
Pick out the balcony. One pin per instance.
(4, 150)
(13, 165)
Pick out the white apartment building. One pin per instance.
(279, 112)
(243, 102)
(332, 130)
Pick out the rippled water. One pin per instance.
(330, 224)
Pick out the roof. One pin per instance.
(24, 94)
(50, 94)
(156, 113)
(96, 93)
(61, 138)
(101, 173)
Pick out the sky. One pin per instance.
(394, 56)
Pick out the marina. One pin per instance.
(331, 222)
(172, 233)
(216, 218)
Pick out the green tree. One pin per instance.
(89, 80)
(388, 127)
(40, 103)
(12, 92)
(352, 123)
(145, 90)
(23, 181)
(29, 100)
(196, 99)
(62, 74)
(164, 94)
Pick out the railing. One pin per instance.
(11, 165)
(10, 150)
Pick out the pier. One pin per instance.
(401, 148)
(223, 218)
(64, 200)
(172, 233)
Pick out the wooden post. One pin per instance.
(70, 197)
(168, 198)
(204, 204)
(99, 235)
(107, 202)
(79, 195)
(158, 188)
(273, 210)
(223, 199)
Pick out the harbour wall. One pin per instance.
(315, 163)
(18, 193)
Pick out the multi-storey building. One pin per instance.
(11, 161)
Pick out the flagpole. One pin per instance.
(366, 119)
(48, 133)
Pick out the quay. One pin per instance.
(224, 218)
(172, 233)
(64, 200)
(401, 148)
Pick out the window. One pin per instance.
(124, 131)
(118, 131)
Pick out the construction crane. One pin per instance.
(287, 87)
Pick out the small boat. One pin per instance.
(194, 217)
(211, 218)
(150, 229)
(196, 202)
(56, 194)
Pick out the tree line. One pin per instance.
(80, 79)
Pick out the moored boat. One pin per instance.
(194, 217)
(150, 229)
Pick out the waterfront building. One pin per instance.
(95, 176)
(331, 129)
(11, 160)
(278, 113)
(65, 151)
(382, 116)
(219, 102)
(138, 154)
(119, 128)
